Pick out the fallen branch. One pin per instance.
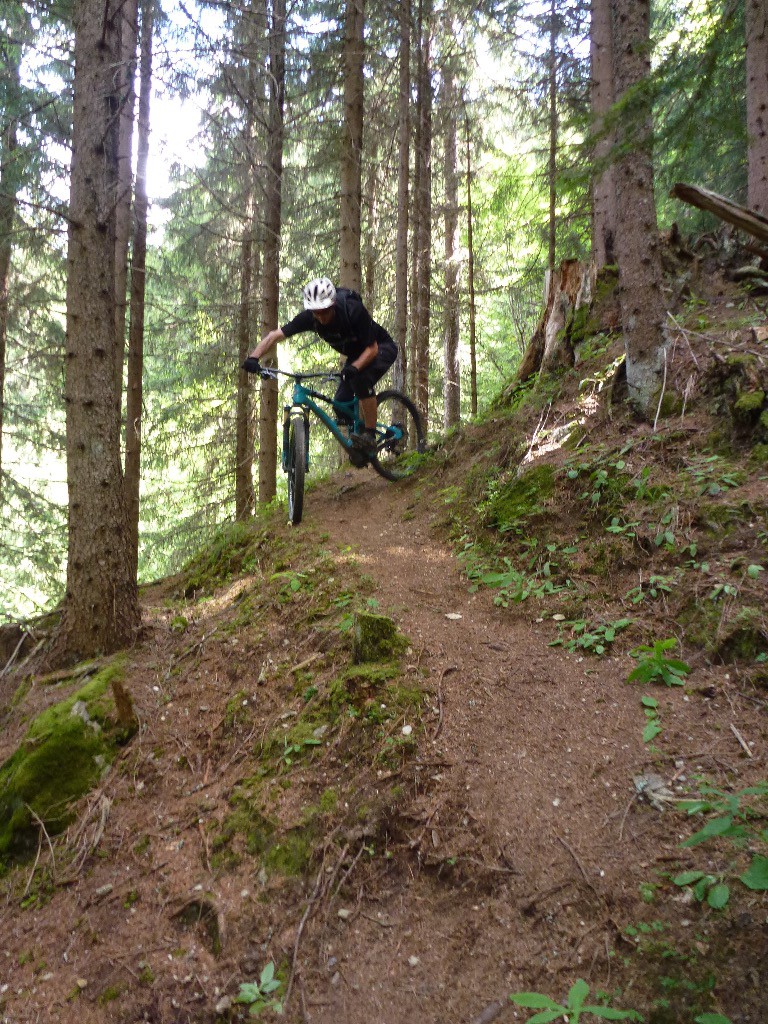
(742, 742)
(750, 221)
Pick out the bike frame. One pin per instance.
(305, 399)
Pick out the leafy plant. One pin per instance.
(653, 664)
(653, 723)
(572, 1011)
(708, 478)
(255, 994)
(739, 818)
(655, 587)
(704, 886)
(627, 529)
(293, 750)
(722, 590)
(595, 638)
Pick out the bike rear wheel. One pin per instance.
(297, 465)
(400, 436)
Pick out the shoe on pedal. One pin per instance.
(365, 441)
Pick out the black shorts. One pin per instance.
(365, 380)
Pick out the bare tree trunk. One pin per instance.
(244, 492)
(423, 255)
(9, 184)
(400, 369)
(452, 379)
(640, 274)
(352, 147)
(553, 127)
(603, 188)
(372, 231)
(756, 17)
(416, 218)
(134, 394)
(272, 228)
(125, 75)
(101, 611)
(471, 274)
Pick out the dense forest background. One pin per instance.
(439, 156)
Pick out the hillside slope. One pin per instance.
(473, 811)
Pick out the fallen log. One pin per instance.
(753, 223)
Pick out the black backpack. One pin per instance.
(348, 293)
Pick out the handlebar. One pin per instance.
(272, 372)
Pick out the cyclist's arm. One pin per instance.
(302, 322)
(268, 342)
(363, 327)
(367, 356)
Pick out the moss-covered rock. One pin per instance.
(63, 754)
(748, 406)
(376, 638)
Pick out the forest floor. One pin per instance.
(412, 839)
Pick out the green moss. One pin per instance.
(671, 404)
(329, 800)
(63, 754)
(743, 637)
(700, 621)
(109, 995)
(21, 692)
(521, 499)
(221, 558)
(285, 853)
(291, 856)
(376, 638)
(748, 406)
(759, 453)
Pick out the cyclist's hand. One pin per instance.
(252, 365)
(349, 372)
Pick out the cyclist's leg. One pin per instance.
(344, 393)
(370, 376)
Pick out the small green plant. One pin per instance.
(738, 817)
(721, 590)
(572, 1011)
(708, 478)
(256, 994)
(711, 888)
(653, 664)
(293, 750)
(594, 638)
(655, 587)
(711, 1018)
(626, 529)
(653, 722)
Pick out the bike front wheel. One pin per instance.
(297, 465)
(400, 437)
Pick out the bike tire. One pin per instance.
(297, 465)
(394, 459)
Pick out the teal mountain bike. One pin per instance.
(399, 432)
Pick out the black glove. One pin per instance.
(349, 372)
(252, 365)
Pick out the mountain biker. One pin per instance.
(339, 317)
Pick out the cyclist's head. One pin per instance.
(319, 294)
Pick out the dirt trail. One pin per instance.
(515, 857)
(527, 839)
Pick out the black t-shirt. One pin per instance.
(351, 331)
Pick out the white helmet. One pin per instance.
(319, 294)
